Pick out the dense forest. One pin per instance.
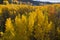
(26, 22)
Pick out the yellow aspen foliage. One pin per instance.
(58, 29)
(23, 19)
(1, 11)
(42, 27)
(40, 16)
(26, 22)
(17, 20)
(21, 27)
(1, 33)
(39, 26)
(9, 26)
(49, 27)
(32, 19)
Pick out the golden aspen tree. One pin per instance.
(21, 29)
(43, 27)
(10, 32)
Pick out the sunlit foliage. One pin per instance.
(26, 22)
